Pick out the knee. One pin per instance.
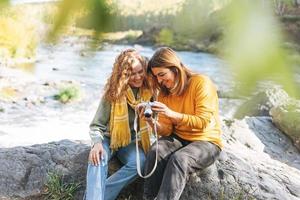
(132, 163)
(179, 161)
(93, 167)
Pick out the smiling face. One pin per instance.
(164, 76)
(137, 74)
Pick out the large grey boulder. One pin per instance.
(287, 118)
(261, 103)
(258, 162)
(23, 170)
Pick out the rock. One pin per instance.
(257, 162)
(148, 36)
(261, 103)
(23, 170)
(228, 107)
(287, 118)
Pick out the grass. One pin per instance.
(57, 189)
(228, 122)
(67, 94)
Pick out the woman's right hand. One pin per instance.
(96, 154)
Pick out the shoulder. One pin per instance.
(199, 80)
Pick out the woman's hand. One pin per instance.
(159, 107)
(141, 110)
(96, 154)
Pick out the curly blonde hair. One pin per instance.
(117, 83)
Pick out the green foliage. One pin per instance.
(98, 16)
(18, 35)
(165, 37)
(3, 3)
(192, 18)
(67, 94)
(253, 46)
(280, 6)
(228, 122)
(57, 189)
(48, 13)
(249, 31)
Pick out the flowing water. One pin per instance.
(25, 122)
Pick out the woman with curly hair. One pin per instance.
(112, 129)
(188, 121)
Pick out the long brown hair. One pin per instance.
(165, 57)
(117, 83)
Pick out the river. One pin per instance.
(25, 122)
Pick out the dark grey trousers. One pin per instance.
(177, 158)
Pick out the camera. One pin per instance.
(147, 108)
(148, 111)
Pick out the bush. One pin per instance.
(67, 94)
(165, 37)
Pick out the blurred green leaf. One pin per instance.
(98, 16)
(253, 46)
(3, 3)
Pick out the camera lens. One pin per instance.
(148, 111)
(147, 115)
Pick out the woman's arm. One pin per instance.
(97, 127)
(205, 104)
(100, 122)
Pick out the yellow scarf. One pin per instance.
(120, 135)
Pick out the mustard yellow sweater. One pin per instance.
(200, 108)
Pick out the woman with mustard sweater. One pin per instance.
(188, 122)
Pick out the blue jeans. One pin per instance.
(98, 186)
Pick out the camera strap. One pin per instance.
(138, 161)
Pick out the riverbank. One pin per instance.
(163, 26)
(30, 112)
